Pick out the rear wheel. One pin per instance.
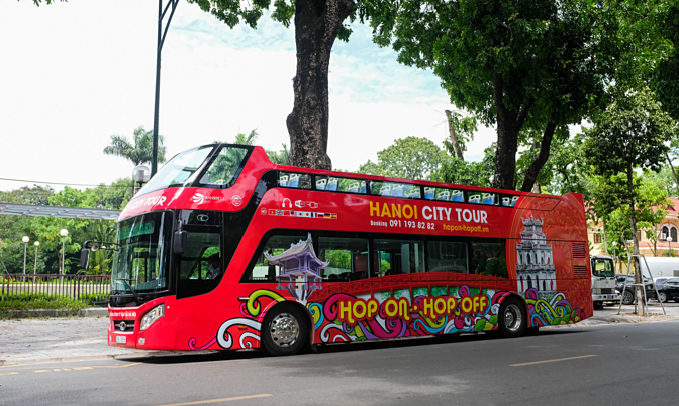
(598, 305)
(512, 318)
(627, 297)
(662, 297)
(284, 330)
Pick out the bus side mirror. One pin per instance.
(179, 243)
(84, 258)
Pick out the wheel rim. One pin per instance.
(284, 330)
(662, 297)
(512, 317)
(627, 298)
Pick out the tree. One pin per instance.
(317, 24)
(630, 134)
(456, 170)
(410, 158)
(140, 150)
(536, 64)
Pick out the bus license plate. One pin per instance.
(120, 339)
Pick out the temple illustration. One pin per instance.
(534, 259)
(300, 266)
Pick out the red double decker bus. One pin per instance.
(224, 250)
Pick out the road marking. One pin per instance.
(10, 373)
(44, 370)
(202, 402)
(118, 366)
(551, 360)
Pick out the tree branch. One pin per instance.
(535, 167)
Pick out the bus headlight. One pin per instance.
(151, 317)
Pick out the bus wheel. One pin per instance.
(284, 330)
(512, 317)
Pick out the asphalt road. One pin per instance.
(624, 364)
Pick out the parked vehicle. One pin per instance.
(669, 290)
(603, 281)
(628, 296)
(661, 267)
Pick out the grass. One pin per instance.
(7, 307)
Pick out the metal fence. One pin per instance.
(90, 288)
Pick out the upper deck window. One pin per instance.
(179, 170)
(393, 189)
(225, 168)
(334, 184)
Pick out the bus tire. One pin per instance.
(284, 330)
(512, 317)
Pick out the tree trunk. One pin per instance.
(453, 136)
(316, 25)
(534, 169)
(508, 125)
(669, 161)
(633, 220)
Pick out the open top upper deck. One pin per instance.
(224, 177)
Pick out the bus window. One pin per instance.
(276, 244)
(294, 180)
(348, 258)
(394, 256)
(333, 184)
(488, 258)
(225, 168)
(202, 259)
(394, 189)
(448, 256)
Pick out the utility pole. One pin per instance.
(161, 40)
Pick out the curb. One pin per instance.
(24, 314)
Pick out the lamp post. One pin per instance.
(64, 233)
(140, 174)
(25, 240)
(35, 261)
(669, 244)
(614, 258)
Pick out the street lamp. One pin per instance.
(140, 174)
(669, 244)
(64, 233)
(25, 240)
(35, 261)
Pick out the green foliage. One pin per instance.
(281, 157)
(338, 258)
(410, 158)
(455, 170)
(140, 150)
(631, 133)
(517, 64)
(29, 303)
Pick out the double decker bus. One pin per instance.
(222, 249)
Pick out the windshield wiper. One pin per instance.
(136, 296)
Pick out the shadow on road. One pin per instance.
(181, 357)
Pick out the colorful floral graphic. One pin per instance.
(557, 310)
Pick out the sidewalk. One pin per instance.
(38, 340)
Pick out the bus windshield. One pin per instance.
(141, 263)
(603, 268)
(178, 170)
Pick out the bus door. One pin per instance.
(199, 270)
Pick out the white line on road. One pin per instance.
(551, 360)
(202, 402)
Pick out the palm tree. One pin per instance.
(138, 152)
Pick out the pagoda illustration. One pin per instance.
(534, 259)
(300, 267)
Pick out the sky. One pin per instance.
(73, 74)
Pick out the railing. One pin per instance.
(92, 288)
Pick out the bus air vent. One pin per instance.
(579, 251)
(580, 271)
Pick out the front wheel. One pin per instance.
(512, 318)
(662, 297)
(627, 297)
(284, 330)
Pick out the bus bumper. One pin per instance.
(160, 335)
(613, 297)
